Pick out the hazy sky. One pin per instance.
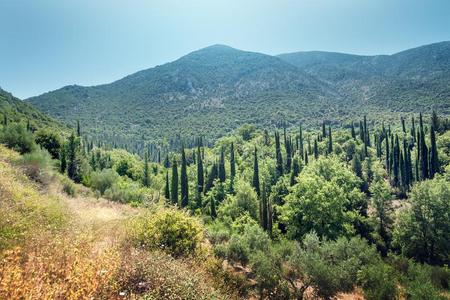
(46, 44)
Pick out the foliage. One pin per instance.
(15, 136)
(423, 228)
(50, 141)
(103, 180)
(379, 282)
(170, 230)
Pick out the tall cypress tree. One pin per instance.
(316, 150)
(361, 131)
(62, 158)
(232, 162)
(184, 180)
(435, 121)
(174, 183)
(222, 175)
(255, 181)
(200, 175)
(72, 162)
(413, 129)
(434, 161)
(295, 171)
(212, 208)
(264, 209)
(301, 142)
(324, 131)
(356, 165)
(78, 128)
(146, 173)
(306, 158)
(167, 189)
(279, 158)
(387, 154)
(288, 147)
(396, 162)
(212, 175)
(353, 131)
(330, 141)
(423, 151)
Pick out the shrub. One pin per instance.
(378, 282)
(69, 187)
(103, 180)
(16, 137)
(168, 229)
(36, 165)
(50, 141)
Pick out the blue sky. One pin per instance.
(46, 44)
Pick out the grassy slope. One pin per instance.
(56, 246)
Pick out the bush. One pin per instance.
(69, 187)
(50, 141)
(169, 229)
(378, 282)
(103, 180)
(36, 165)
(16, 137)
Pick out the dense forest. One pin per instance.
(287, 212)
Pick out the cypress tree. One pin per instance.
(434, 161)
(353, 131)
(403, 124)
(212, 208)
(387, 154)
(279, 166)
(356, 165)
(306, 158)
(184, 180)
(212, 175)
(435, 121)
(222, 175)
(255, 181)
(78, 128)
(324, 132)
(402, 171)
(423, 151)
(330, 141)
(266, 138)
(413, 129)
(167, 162)
(167, 189)
(264, 209)
(5, 120)
(232, 162)
(396, 162)
(316, 150)
(200, 175)
(288, 147)
(301, 142)
(361, 131)
(72, 165)
(146, 175)
(295, 171)
(174, 185)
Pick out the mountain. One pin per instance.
(17, 110)
(214, 90)
(413, 80)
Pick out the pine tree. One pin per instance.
(174, 186)
(184, 180)
(200, 175)
(255, 181)
(222, 175)
(167, 189)
(146, 175)
(434, 161)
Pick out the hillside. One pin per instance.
(216, 89)
(17, 110)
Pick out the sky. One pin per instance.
(47, 44)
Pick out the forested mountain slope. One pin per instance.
(216, 89)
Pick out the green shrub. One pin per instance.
(50, 141)
(419, 284)
(69, 187)
(16, 137)
(36, 165)
(103, 180)
(378, 282)
(169, 229)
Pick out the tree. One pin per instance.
(167, 188)
(423, 229)
(212, 175)
(381, 201)
(72, 161)
(255, 181)
(356, 165)
(295, 171)
(174, 186)
(434, 160)
(16, 137)
(146, 173)
(184, 180)
(78, 128)
(200, 175)
(278, 156)
(316, 150)
(264, 207)
(221, 170)
(330, 141)
(232, 162)
(50, 141)
(353, 131)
